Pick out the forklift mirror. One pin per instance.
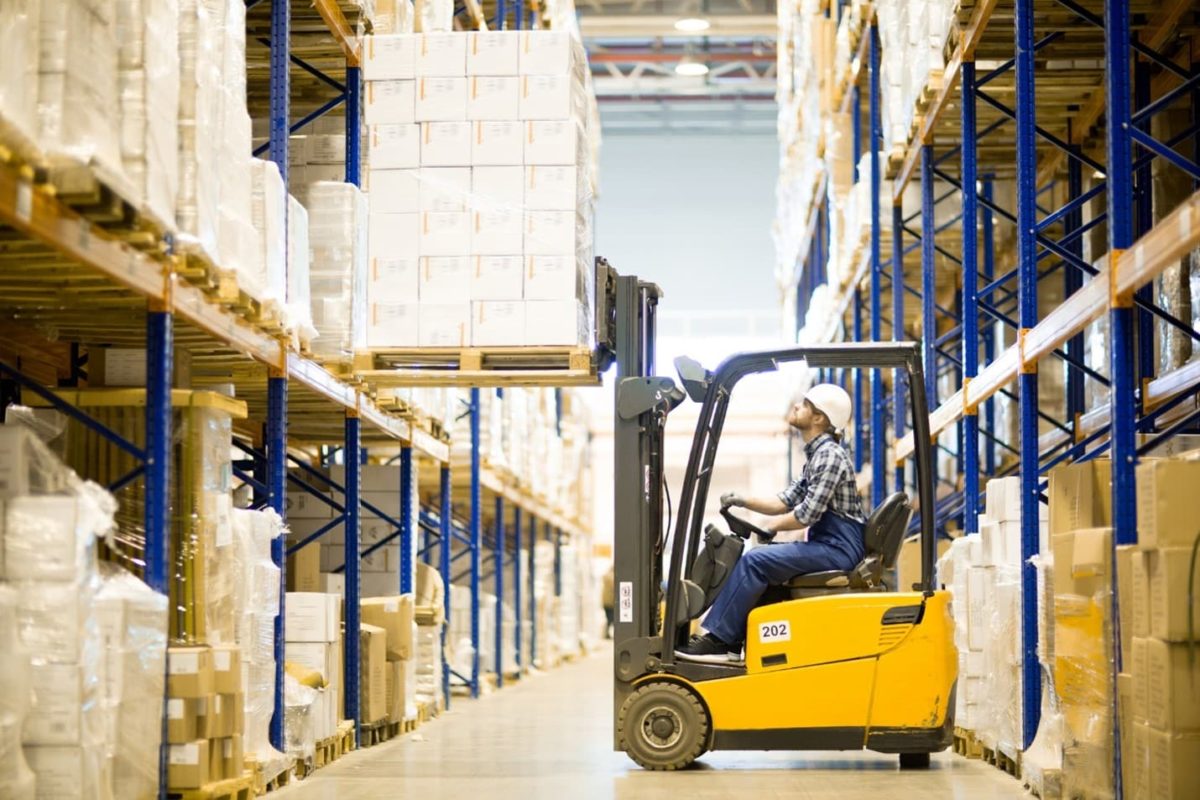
(694, 377)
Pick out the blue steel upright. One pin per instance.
(159, 355)
(970, 297)
(276, 443)
(989, 338)
(533, 526)
(445, 536)
(1027, 382)
(498, 557)
(476, 534)
(353, 125)
(928, 280)
(352, 460)
(518, 611)
(877, 402)
(407, 545)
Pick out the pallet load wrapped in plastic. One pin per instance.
(393, 16)
(313, 647)
(480, 176)
(299, 294)
(430, 615)
(266, 279)
(239, 241)
(197, 210)
(148, 87)
(16, 701)
(337, 214)
(20, 31)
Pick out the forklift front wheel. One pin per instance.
(663, 726)
(914, 761)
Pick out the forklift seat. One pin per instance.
(882, 536)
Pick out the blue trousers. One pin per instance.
(834, 542)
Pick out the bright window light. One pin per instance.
(692, 25)
(691, 69)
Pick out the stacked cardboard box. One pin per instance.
(429, 613)
(395, 615)
(205, 715)
(314, 641)
(479, 179)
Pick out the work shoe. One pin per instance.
(709, 649)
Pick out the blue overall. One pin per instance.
(834, 543)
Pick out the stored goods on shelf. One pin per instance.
(19, 30)
(337, 237)
(16, 701)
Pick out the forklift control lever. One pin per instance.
(742, 528)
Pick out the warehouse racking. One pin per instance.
(73, 276)
(1047, 107)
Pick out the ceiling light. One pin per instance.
(691, 68)
(692, 25)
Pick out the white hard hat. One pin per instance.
(832, 401)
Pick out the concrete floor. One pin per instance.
(550, 737)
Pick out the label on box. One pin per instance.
(183, 663)
(224, 532)
(184, 754)
(222, 660)
(391, 607)
(174, 709)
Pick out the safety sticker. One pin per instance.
(626, 602)
(774, 632)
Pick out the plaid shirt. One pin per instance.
(827, 484)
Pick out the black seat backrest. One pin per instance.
(885, 531)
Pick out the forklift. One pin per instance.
(833, 660)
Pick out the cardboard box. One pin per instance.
(1169, 585)
(389, 324)
(445, 325)
(304, 569)
(493, 53)
(233, 756)
(389, 57)
(227, 665)
(401, 690)
(497, 188)
(1172, 765)
(550, 189)
(61, 692)
(183, 719)
(302, 505)
(393, 249)
(67, 773)
(498, 323)
(126, 366)
(445, 188)
(1125, 723)
(1125, 557)
(188, 765)
(1139, 668)
(440, 100)
(1139, 758)
(312, 617)
(498, 278)
(1088, 583)
(556, 322)
(1004, 500)
(546, 97)
(442, 54)
(493, 98)
(189, 672)
(496, 232)
(553, 142)
(553, 278)
(216, 764)
(908, 562)
(395, 146)
(1139, 593)
(44, 539)
(395, 615)
(322, 657)
(443, 279)
(1165, 512)
(325, 149)
(497, 144)
(224, 714)
(206, 722)
(373, 677)
(445, 233)
(550, 233)
(1081, 496)
(1092, 556)
(546, 53)
(1173, 691)
(391, 102)
(394, 191)
(446, 144)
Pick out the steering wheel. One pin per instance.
(742, 528)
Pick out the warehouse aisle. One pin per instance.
(550, 737)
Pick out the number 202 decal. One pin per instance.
(774, 632)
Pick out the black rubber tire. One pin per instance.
(914, 761)
(669, 704)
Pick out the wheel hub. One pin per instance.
(662, 727)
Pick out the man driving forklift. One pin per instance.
(825, 500)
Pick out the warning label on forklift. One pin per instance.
(625, 602)
(774, 632)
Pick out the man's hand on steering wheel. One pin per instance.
(732, 500)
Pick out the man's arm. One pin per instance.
(785, 522)
(762, 505)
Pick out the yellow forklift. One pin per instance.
(833, 660)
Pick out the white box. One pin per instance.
(550, 189)
(444, 279)
(394, 191)
(553, 278)
(445, 233)
(546, 53)
(442, 54)
(493, 98)
(317, 656)
(389, 57)
(498, 323)
(392, 259)
(44, 539)
(493, 52)
(334, 583)
(391, 102)
(445, 144)
(545, 97)
(62, 693)
(498, 144)
(445, 325)
(552, 142)
(441, 99)
(67, 773)
(395, 146)
(327, 148)
(302, 505)
(445, 188)
(50, 617)
(555, 322)
(550, 233)
(497, 278)
(496, 232)
(312, 617)
(497, 187)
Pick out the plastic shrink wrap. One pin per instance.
(299, 297)
(16, 778)
(200, 95)
(337, 214)
(266, 278)
(299, 706)
(19, 30)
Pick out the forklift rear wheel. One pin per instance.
(914, 761)
(662, 726)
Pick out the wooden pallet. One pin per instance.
(1002, 761)
(966, 744)
(232, 789)
(378, 732)
(1047, 784)
(104, 200)
(345, 737)
(427, 712)
(483, 366)
(264, 783)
